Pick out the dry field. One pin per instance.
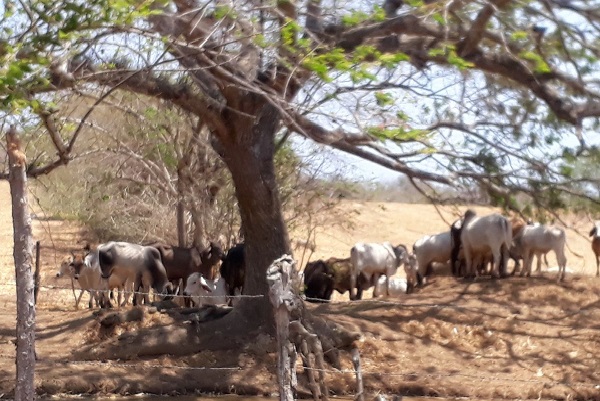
(505, 339)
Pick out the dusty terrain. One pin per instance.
(510, 339)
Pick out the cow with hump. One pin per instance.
(143, 263)
(375, 259)
(486, 236)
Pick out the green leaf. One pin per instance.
(459, 62)
(540, 64)
(392, 60)
(518, 35)
(397, 134)
(384, 99)
(317, 66)
(439, 18)
(351, 20)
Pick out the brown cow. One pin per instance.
(321, 277)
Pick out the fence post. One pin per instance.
(282, 297)
(22, 254)
(36, 276)
(360, 393)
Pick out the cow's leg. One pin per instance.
(597, 266)
(468, 261)
(538, 267)
(496, 261)
(353, 294)
(136, 288)
(562, 263)
(527, 262)
(375, 277)
(147, 285)
(79, 299)
(387, 283)
(359, 292)
(328, 291)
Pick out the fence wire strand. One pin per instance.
(396, 302)
(410, 375)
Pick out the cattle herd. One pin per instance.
(133, 269)
(472, 247)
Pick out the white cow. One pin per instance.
(143, 263)
(398, 286)
(374, 259)
(482, 236)
(204, 291)
(538, 240)
(432, 248)
(121, 280)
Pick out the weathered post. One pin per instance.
(281, 295)
(360, 392)
(36, 276)
(23, 248)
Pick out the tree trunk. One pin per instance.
(248, 152)
(23, 256)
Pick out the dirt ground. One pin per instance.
(507, 339)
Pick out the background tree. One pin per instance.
(497, 94)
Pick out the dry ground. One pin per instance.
(509, 339)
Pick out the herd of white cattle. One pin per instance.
(473, 246)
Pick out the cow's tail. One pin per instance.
(160, 283)
(507, 230)
(106, 258)
(505, 248)
(353, 273)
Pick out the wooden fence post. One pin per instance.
(360, 392)
(36, 275)
(23, 248)
(281, 295)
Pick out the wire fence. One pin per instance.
(409, 376)
(404, 302)
(405, 375)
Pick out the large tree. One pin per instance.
(495, 94)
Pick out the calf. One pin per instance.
(372, 259)
(125, 259)
(205, 291)
(538, 240)
(398, 286)
(321, 277)
(233, 269)
(88, 278)
(482, 236)
(595, 234)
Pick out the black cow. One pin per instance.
(233, 269)
(321, 277)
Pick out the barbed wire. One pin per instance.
(400, 302)
(411, 375)
(130, 292)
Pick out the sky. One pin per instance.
(328, 163)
